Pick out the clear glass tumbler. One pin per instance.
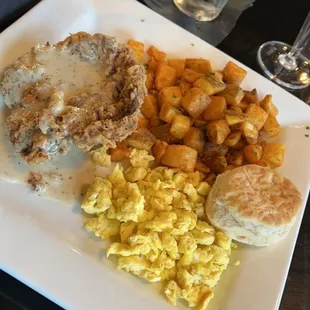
(288, 66)
(201, 10)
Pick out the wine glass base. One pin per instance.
(270, 58)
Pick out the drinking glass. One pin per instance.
(288, 66)
(201, 10)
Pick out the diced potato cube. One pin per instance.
(184, 87)
(269, 106)
(217, 164)
(178, 65)
(263, 137)
(195, 139)
(156, 121)
(137, 49)
(233, 94)
(170, 95)
(141, 139)
(240, 144)
(143, 122)
(165, 76)
(217, 131)
(233, 138)
(152, 65)
(190, 75)
(120, 152)
(153, 92)
(180, 156)
(150, 76)
(158, 150)
(210, 178)
(250, 132)
(199, 65)
(212, 150)
(234, 157)
(233, 117)
(168, 112)
(272, 126)
(201, 167)
(273, 154)
(210, 85)
(195, 102)
(253, 153)
(236, 109)
(242, 105)
(218, 75)
(149, 107)
(251, 96)
(198, 123)
(162, 132)
(215, 110)
(256, 115)
(180, 126)
(157, 54)
(233, 74)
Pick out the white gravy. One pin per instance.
(68, 73)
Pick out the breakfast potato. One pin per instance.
(158, 150)
(251, 96)
(230, 167)
(215, 110)
(233, 74)
(233, 138)
(271, 126)
(143, 122)
(210, 85)
(242, 105)
(236, 109)
(178, 65)
(233, 118)
(149, 107)
(165, 76)
(199, 65)
(213, 150)
(210, 178)
(253, 153)
(217, 131)
(233, 94)
(157, 54)
(180, 156)
(137, 49)
(240, 144)
(256, 115)
(170, 95)
(201, 124)
(120, 152)
(152, 65)
(273, 154)
(218, 75)
(162, 132)
(190, 75)
(149, 82)
(168, 112)
(217, 164)
(180, 126)
(269, 106)
(141, 139)
(263, 137)
(184, 87)
(201, 167)
(250, 132)
(156, 121)
(195, 102)
(234, 157)
(195, 139)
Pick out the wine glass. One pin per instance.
(288, 66)
(201, 10)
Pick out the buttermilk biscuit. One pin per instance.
(253, 205)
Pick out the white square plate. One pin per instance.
(43, 242)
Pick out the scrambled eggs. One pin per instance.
(159, 217)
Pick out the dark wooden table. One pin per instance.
(266, 20)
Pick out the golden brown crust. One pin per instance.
(260, 194)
